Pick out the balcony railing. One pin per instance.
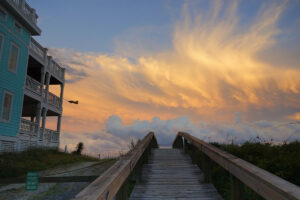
(33, 85)
(40, 51)
(57, 70)
(53, 99)
(26, 10)
(28, 127)
(51, 136)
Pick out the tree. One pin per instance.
(79, 148)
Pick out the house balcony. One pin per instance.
(39, 52)
(25, 14)
(56, 70)
(30, 129)
(52, 99)
(33, 85)
(51, 136)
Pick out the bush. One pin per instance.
(17, 164)
(281, 160)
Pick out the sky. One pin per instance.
(225, 71)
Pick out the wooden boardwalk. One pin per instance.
(170, 174)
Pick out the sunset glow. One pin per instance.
(218, 65)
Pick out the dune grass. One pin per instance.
(281, 160)
(18, 164)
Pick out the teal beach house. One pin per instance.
(27, 75)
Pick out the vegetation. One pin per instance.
(281, 160)
(17, 164)
(79, 148)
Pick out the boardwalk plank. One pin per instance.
(170, 175)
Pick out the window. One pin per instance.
(13, 58)
(6, 106)
(18, 27)
(2, 14)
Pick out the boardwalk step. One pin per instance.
(170, 175)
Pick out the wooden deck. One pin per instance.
(170, 174)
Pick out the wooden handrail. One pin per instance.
(262, 182)
(106, 186)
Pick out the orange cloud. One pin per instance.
(211, 72)
(295, 116)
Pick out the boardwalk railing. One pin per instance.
(262, 182)
(113, 183)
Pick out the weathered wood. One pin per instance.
(108, 184)
(185, 145)
(53, 179)
(171, 175)
(236, 188)
(123, 192)
(178, 143)
(262, 182)
(206, 166)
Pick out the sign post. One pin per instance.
(32, 180)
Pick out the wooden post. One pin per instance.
(185, 145)
(195, 159)
(123, 192)
(236, 188)
(206, 166)
(138, 172)
(178, 143)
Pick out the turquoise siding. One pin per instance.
(10, 81)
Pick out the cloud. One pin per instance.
(211, 71)
(237, 131)
(72, 62)
(95, 143)
(116, 137)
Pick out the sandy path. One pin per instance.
(56, 191)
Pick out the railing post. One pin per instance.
(123, 192)
(206, 166)
(236, 188)
(185, 145)
(178, 143)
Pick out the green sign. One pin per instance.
(32, 180)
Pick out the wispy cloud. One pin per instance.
(116, 135)
(212, 71)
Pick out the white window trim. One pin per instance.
(17, 23)
(2, 9)
(1, 46)
(11, 106)
(13, 44)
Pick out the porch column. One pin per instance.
(43, 73)
(62, 86)
(44, 123)
(47, 87)
(58, 128)
(58, 123)
(38, 118)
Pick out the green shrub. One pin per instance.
(281, 160)
(17, 164)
